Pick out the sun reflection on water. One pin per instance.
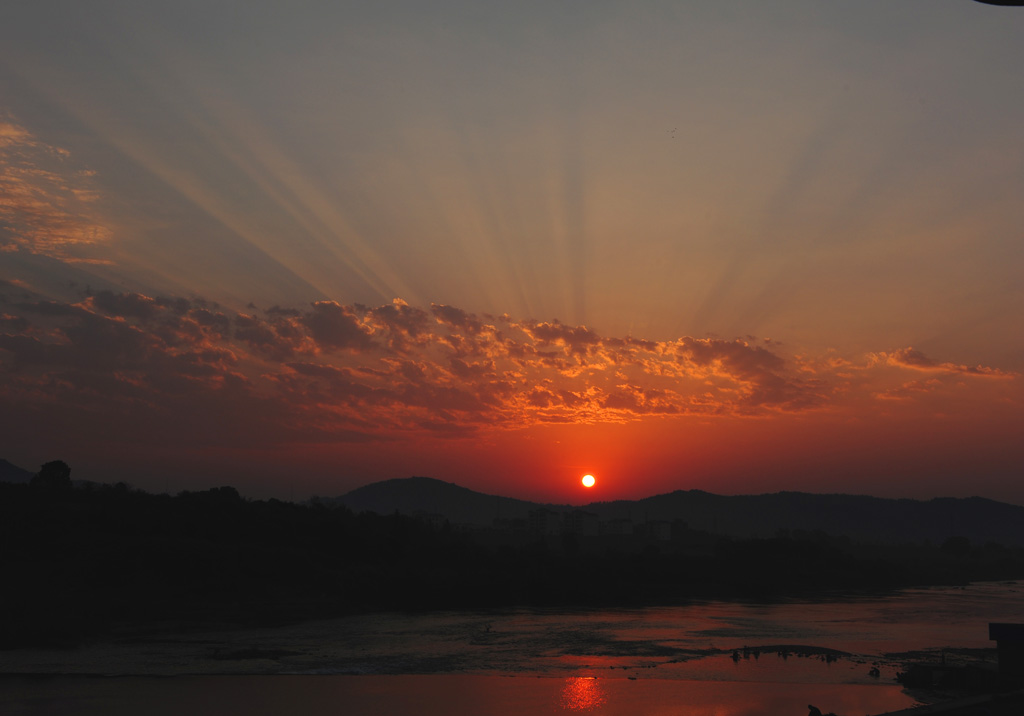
(582, 693)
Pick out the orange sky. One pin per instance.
(677, 247)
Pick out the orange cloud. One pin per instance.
(333, 372)
(45, 206)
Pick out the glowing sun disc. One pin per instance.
(588, 480)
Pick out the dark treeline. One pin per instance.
(83, 562)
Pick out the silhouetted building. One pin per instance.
(1009, 639)
(545, 522)
(659, 530)
(617, 527)
(583, 523)
(512, 525)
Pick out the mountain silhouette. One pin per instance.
(12, 473)
(872, 520)
(426, 495)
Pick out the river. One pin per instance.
(708, 658)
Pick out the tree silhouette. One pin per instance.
(54, 475)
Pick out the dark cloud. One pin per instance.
(578, 339)
(27, 351)
(16, 324)
(915, 359)
(541, 398)
(179, 306)
(335, 326)
(321, 371)
(737, 356)
(399, 317)
(457, 318)
(50, 308)
(211, 319)
(470, 371)
(263, 337)
(126, 305)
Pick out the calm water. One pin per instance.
(716, 658)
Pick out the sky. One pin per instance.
(700, 244)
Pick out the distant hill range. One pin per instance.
(13, 473)
(863, 519)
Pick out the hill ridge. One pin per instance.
(9, 472)
(863, 518)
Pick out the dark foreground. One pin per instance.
(1010, 704)
(80, 563)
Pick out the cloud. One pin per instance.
(457, 318)
(153, 367)
(125, 304)
(46, 206)
(576, 339)
(916, 360)
(334, 326)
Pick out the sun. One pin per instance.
(588, 481)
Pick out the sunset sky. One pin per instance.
(300, 247)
